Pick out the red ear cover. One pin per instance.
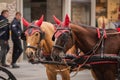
(39, 22)
(56, 20)
(67, 21)
(25, 22)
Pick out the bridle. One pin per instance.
(65, 36)
(92, 50)
(42, 34)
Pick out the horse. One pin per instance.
(38, 36)
(86, 38)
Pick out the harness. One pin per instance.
(91, 57)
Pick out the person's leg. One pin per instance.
(8, 48)
(20, 50)
(14, 52)
(3, 47)
(17, 50)
(1, 50)
(5, 50)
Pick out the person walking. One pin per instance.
(4, 37)
(15, 35)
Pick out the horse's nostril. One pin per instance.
(31, 60)
(31, 53)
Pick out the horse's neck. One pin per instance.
(47, 46)
(47, 42)
(72, 50)
(84, 37)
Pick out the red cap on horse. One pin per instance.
(25, 22)
(37, 23)
(65, 23)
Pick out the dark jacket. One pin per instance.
(4, 31)
(16, 29)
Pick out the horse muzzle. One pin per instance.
(58, 56)
(30, 55)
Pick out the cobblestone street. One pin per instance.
(28, 71)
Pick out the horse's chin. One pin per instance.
(31, 60)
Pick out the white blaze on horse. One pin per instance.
(39, 37)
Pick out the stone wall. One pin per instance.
(10, 5)
(54, 7)
(80, 12)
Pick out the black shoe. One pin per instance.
(5, 65)
(15, 66)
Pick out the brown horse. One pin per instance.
(86, 38)
(39, 36)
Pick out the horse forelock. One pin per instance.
(58, 33)
(31, 31)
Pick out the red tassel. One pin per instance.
(105, 35)
(118, 29)
(98, 32)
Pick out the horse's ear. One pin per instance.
(39, 22)
(67, 20)
(56, 20)
(25, 22)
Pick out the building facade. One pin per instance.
(80, 11)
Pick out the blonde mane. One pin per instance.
(47, 42)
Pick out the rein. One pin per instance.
(35, 48)
(91, 52)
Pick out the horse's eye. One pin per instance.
(36, 34)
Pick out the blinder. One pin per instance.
(23, 37)
(64, 37)
(59, 28)
(53, 38)
(42, 34)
